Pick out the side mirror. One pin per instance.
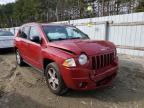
(35, 39)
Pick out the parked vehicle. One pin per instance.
(6, 39)
(66, 56)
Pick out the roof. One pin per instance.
(50, 24)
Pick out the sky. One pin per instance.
(6, 1)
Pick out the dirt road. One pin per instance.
(23, 87)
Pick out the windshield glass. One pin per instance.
(5, 33)
(55, 33)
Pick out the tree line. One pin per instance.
(23, 11)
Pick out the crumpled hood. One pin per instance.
(90, 47)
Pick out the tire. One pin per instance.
(19, 59)
(54, 79)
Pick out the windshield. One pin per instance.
(55, 33)
(5, 33)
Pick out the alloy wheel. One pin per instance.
(53, 79)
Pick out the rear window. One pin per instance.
(5, 33)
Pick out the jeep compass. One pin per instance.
(66, 56)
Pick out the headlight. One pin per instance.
(83, 59)
(69, 63)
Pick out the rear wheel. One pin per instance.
(19, 58)
(54, 79)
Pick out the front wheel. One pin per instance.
(54, 79)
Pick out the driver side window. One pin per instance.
(34, 32)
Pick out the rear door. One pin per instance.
(34, 49)
(23, 42)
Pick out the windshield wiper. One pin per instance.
(58, 39)
(75, 38)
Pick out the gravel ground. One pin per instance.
(23, 87)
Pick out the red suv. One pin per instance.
(66, 56)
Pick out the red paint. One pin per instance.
(35, 54)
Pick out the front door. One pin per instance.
(34, 49)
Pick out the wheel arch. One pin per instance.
(46, 61)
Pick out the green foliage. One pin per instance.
(22, 11)
(140, 7)
(6, 11)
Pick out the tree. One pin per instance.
(23, 11)
(140, 7)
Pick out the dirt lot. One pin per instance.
(23, 87)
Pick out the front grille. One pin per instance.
(102, 61)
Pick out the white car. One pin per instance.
(6, 39)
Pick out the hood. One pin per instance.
(90, 47)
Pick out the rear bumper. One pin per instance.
(6, 44)
(8, 47)
(82, 79)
